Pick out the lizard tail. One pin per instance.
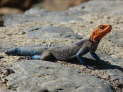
(22, 52)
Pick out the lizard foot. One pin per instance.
(36, 57)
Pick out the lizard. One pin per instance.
(64, 53)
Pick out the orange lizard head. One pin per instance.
(100, 32)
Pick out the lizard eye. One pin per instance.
(101, 27)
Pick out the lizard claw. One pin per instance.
(89, 67)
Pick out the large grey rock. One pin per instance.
(53, 17)
(73, 14)
(33, 76)
(117, 35)
(104, 6)
(48, 32)
(4, 46)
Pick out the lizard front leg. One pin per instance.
(94, 55)
(82, 60)
(80, 53)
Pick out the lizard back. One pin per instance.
(65, 52)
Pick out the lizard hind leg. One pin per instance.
(46, 55)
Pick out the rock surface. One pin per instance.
(49, 32)
(32, 76)
(41, 27)
(19, 6)
(60, 4)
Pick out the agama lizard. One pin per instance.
(64, 53)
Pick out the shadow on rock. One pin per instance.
(103, 65)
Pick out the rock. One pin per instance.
(1, 57)
(38, 75)
(7, 11)
(117, 35)
(45, 17)
(111, 7)
(35, 76)
(60, 4)
(104, 6)
(49, 32)
(5, 46)
(20, 4)
(115, 74)
(1, 21)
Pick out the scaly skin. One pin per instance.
(76, 50)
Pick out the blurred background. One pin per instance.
(19, 6)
